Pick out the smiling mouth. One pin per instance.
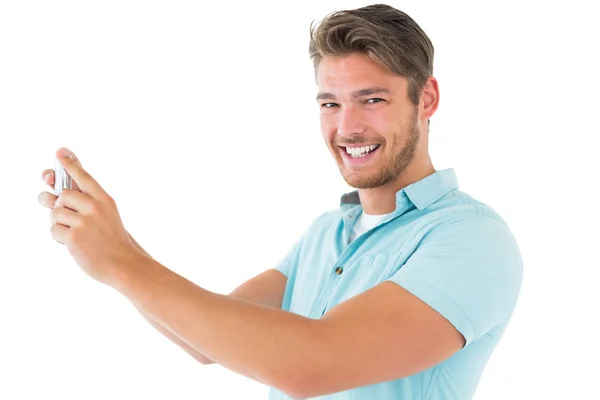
(361, 151)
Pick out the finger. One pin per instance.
(47, 199)
(85, 182)
(59, 233)
(49, 176)
(76, 201)
(64, 216)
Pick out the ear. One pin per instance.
(430, 98)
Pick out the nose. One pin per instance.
(350, 122)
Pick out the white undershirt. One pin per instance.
(365, 222)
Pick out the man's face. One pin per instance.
(367, 120)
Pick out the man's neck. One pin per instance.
(382, 200)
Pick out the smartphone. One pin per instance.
(62, 180)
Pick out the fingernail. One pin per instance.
(65, 153)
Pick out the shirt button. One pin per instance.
(339, 270)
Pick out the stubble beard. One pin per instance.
(392, 166)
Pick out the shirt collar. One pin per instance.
(421, 193)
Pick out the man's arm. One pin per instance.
(361, 341)
(266, 288)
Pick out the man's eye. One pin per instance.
(328, 105)
(374, 100)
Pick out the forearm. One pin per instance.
(172, 337)
(263, 343)
(164, 331)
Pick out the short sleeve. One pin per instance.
(285, 265)
(469, 271)
(289, 260)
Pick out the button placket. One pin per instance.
(338, 271)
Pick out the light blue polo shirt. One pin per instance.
(453, 252)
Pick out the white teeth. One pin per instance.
(360, 151)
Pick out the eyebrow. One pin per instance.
(356, 94)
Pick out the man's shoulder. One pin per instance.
(463, 224)
(459, 206)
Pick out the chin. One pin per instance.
(365, 181)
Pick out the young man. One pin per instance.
(402, 293)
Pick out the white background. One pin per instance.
(200, 120)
